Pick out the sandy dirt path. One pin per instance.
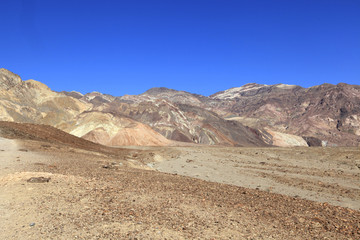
(9, 155)
(17, 208)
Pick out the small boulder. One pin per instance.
(38, 180)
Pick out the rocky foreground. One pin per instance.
(51, 190)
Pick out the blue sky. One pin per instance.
(201, 46)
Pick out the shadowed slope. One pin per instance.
(49, 134)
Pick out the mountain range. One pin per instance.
(250, 115)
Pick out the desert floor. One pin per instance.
(178, 192)
(329, 175)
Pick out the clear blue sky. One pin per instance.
(201, 46)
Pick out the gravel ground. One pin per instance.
(94, 195)
(329, 175)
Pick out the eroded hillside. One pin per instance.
(251, 115)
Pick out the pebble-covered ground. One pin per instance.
(76, 194)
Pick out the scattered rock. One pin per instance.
(316, 225)
(39, 164)
(313, 141)
(38, 180)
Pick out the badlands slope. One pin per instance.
(118, 121)
(250, 115)
(33, 102)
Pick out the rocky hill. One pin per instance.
(326, 112)
(251, 115)
(117, 121)
(33, 102)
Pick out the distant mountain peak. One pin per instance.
(285, 86)
(158, 90)
(36, 85)
(8, 79)
(232, 93)
(250, 89)
(253, 85)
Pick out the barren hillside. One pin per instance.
(251, 115)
